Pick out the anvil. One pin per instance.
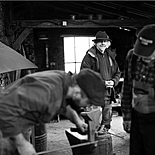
(95, 145)
(92, 119)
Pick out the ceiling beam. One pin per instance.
(84, 23)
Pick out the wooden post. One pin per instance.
(21, 38)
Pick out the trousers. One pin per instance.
(142, 134)
(107, 113)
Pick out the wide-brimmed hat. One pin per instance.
(145, 43)
(101, 36)
(91, 83)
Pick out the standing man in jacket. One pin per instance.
(38, 97)
(138, 93)
(102, 60)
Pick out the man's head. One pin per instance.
(145, 43)
(78, 100)
(93, 88)
(102, 41)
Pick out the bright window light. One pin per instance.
(75, 49)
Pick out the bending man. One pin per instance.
(38, 97)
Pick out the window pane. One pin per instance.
(70, 67)
(81, 46)
(75, 49)
(91, 43)
(78, 65)
(69, 49)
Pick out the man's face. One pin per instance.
(79, 97)
(102, 45)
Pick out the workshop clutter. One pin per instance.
(90, 143)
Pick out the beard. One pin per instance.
(74, 105)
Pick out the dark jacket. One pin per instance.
(91, 61)
(36, 98)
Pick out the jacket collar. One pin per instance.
(93, 50)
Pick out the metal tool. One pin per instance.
(115, 135)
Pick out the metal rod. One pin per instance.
(115, 135)
(73, 146)
(78, 145)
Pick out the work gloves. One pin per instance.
(127, 126)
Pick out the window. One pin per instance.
(75, 49)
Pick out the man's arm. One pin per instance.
(75, 118)
(126, 100)
(86, 62)
(116, 77)
(23, 146)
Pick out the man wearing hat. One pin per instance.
(138, 93)
(38, 97)
(102, 60)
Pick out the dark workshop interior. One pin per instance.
(53, 19)
(38, 29)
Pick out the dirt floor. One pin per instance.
(58, 144)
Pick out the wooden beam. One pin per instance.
(21, 38)
(85, 23)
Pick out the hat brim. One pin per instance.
(102, 39)
(97, 102)
(142, 50)
(98, 99)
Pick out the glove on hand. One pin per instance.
(127, 126)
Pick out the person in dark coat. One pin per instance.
(38, 97)
(138, 93)
(101, 59)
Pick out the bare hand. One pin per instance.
(82, 126)
(72, 115)
(26, 149)
(127, 126)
